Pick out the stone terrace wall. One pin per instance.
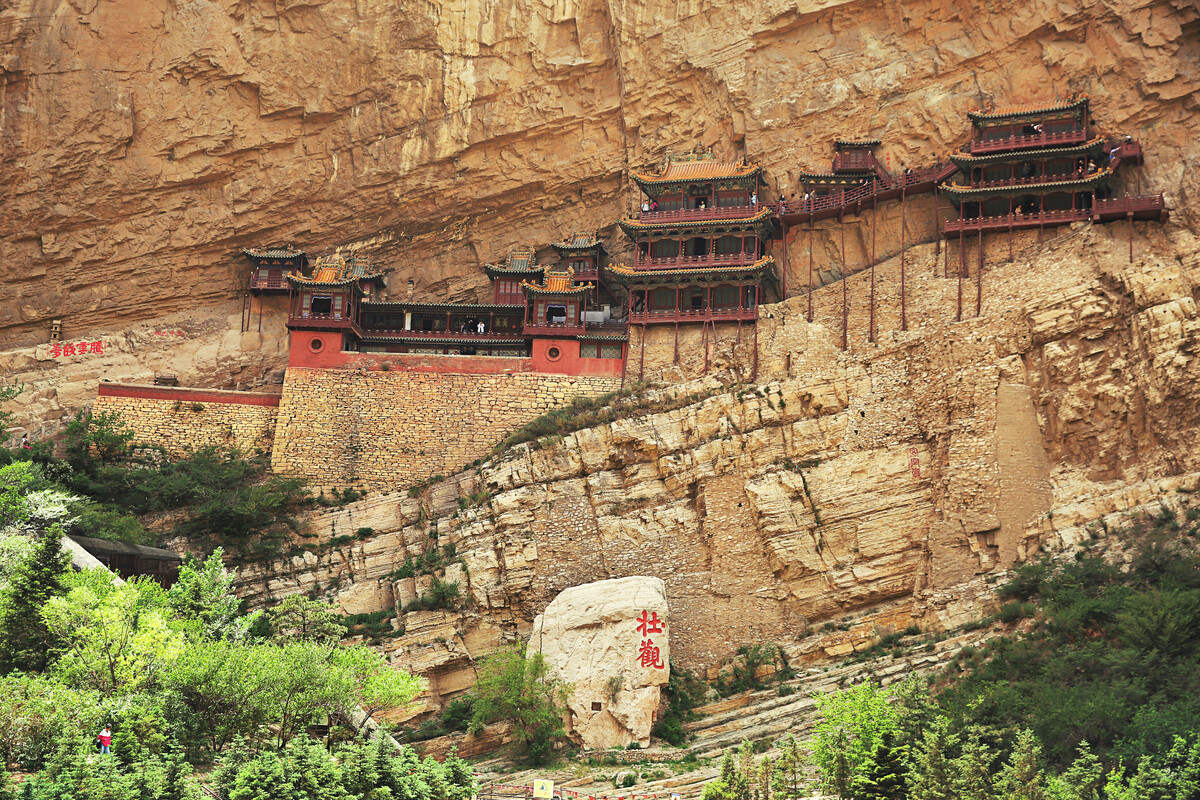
(185, 420)
(386, 430)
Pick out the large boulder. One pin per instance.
(609, 639)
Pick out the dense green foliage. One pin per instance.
(1095, 698)
(107, 484)
(1113, 658)
(180, 676)
(684, 692)
(517, 689)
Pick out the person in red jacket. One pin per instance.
(105, 738)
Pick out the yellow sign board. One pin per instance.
(543, 790)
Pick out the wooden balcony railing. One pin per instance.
(730, 313)
(699, 214)
(853, 162)
(1059, 139)
(1033, 180)
(712, 259)
(400, 333)
(1130, 205)
(554, 328)
(1018, 220)
(274, 281)
(844, 198)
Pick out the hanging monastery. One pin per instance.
(707, 248)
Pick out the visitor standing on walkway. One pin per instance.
(105, 739)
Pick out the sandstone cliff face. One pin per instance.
(144, 143)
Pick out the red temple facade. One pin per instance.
(1043, 165)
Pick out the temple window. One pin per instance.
(725, 296)
(321, 305)
(556, 314)
(695, 297)
(662, 298)
(697, 246)
(727, 245)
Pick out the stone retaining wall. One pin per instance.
(186, 420)
(386, 430)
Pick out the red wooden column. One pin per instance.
(811, 229)
(958, 316)
(979, 276)
(903, 314)
(937, 242)
(874, 225)
(783, 288)
(845, 278)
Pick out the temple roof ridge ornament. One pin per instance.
(557, 280)
(856, 144)
(519, 260)
(274, 251)
(692, 167)
(338, 270)
(1031, 109)
(579, 241)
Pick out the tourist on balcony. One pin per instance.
(808, 201)
(645, 206)
(654, 205)
(782, 200)
(1091, 166)
(702, 203)
(1037, 128)
(754, 198)
(480, 327)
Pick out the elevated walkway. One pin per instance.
(885, 187)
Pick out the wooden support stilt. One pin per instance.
(1129, 216)
(845, 279)
(903, 313)
(675, 358)
(871, 314)
(642, 361)
(945, 263)
(705, 327)
(979, 277)
(260, 306)
(958, 316)
(811, 230)
(754, 369)
(937, 242)
(783, 281)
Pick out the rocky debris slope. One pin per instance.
(887, 484)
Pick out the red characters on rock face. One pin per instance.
(648, 654)
(58, 350)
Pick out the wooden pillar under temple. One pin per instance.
(903, 313)
(871, 315)
(979, 277)
(811, 230)
(845, 299)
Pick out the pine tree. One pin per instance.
(314, 772)
(931, 776)
(264, 778)
(1085, 775)
(1022, 778)
(972, 771)
(884, 777)
(175, 776)
(25, 641)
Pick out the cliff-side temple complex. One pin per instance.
(383, 391)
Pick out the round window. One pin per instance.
(316, 345)
(553, 353)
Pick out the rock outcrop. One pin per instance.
(610, 641)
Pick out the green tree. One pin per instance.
(847, 736)
(1148, 783)
(223, 693)
(315, 773)
(973, 770)
(297, 618)
(101, 437)
(883, 778)
(204, 593)
(25, 639)
(790, 779)
(931, 776)
(112, 641)
(375, 686)
(1081, 781)
(511, 687)
(264, 778)
(1023, 778)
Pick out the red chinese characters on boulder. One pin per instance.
(649, 654)
(58, 350)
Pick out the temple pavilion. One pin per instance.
(269, 268)
(854, 163)
(699, 252)
(1041, 165)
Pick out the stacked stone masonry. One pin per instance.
(188, 422)
(387, 430)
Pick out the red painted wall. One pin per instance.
(329, 355)
(568, 361)
(187, 395)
